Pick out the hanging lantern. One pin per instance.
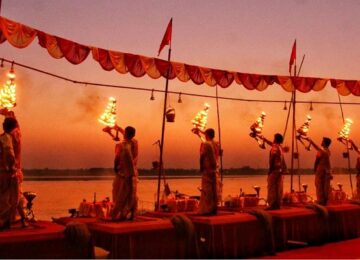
(200, 120)
(302, 133)
(170, 115)
(256, 130)
(344, 133)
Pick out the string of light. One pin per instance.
(152, 97)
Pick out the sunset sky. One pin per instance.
(59, 119)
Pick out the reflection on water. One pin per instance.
(54, 198)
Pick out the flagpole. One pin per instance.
(161, 168)
(293, 132)
(292, 140)
(219, 130)
(296, 141)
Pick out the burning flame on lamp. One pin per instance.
(200, 120)
(108, 118)
(302, 132)
(8, 92)
(345, 131)
(256, 129)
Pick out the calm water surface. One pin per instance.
(54, 198)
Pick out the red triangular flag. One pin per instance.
(292, 56)
(167, 37)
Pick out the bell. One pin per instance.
(285, 106)
(152, 95)
(180, 100)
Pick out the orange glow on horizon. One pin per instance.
(59, 119)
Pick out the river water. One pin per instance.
(54, 198)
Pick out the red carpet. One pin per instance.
(349, 249)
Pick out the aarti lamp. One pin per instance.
(200, 120)
(256, 130)
(302, 133)
(108, 118)
(8, 91)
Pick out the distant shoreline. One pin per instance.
(108, 174)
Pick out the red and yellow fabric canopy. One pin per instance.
(21, 36)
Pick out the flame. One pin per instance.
(8, 92)
(304, 129)
(345, 131)
(109, 116)
(200, 120)
(259, 123)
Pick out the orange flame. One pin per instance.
(304, 129)
(109, 116)
(345, 131)
(259, 124)
(8, 92)
(200, 120)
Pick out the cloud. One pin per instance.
(89, 105)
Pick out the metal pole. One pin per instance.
(296, 141)
(163, 132)
(347, 149)
(219, 130)
(292, 140)
(293, 133)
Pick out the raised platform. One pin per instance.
(144, 237)
(297, 225)
(344, 221)
(225, 235)
(40, 240)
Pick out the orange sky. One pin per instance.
(59, 119)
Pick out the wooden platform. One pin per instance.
(40, 240)
(225, 235)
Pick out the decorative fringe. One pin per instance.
(185, 230)
(79, 240)
(319, 209)
(324, 214)
(265, 219)
(184, 227)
